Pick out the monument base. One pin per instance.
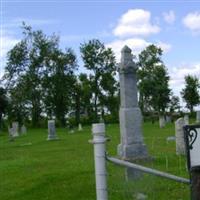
(133, 152)
(132, 174)
(52, 138)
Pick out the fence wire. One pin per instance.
(148, 186)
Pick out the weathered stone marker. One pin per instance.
(15, 129)
(168, 119)
(162, 122)
(131, 147)
(10, 134)
(186, 119)
(51, 130)
(23, 130)
(180, 143)
(198, 117)
(80, 127)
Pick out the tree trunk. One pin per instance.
(0, 121)
(95, 99)
(35, 115)
(141, 102)
(191, 109)
(77, 109)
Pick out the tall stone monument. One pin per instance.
(198, 116)
(51, 130)
(132, 146)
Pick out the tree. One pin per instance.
(190, 93)
(174, 104)
(3, 104)
(153, 81)
(101, 61)
(109, 97)
(42, 72)
(58, 82)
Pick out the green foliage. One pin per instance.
(101, 61)
(3, 104)
(153, 80)
(57, 84)
(190, 93)
(38, 76)
(174, 104)
(111, 119)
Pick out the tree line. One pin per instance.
(41, 81)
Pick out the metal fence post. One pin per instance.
(99, 140)
(195, 184)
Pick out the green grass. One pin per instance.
(64, 169)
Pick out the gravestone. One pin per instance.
(23, 130)
(180, 142)
(10, 134)
(186, 119)
(80, 127)
(168, 119)
(101, 120)
(162, 122)
(198, 117)
(15, 127)
(51, 130)
(132, 147)
(171, 138)
(71, 131)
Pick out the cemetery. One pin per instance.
(64, 168)
(99, 121)
(57, 163)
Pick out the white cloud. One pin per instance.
(177, 75)
(6, 43)
(164, 46)
(169, 17)
(8, 36)
(135, 22)
(192, 22)
(136, 44)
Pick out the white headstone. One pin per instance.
(80, 127)
(51, 130)
(180, 142)
(71, 131)
(162, 122)
(10, 131)
(15, 127)
(168, 119)
(198, 116)
(186, 119)
(23, 130)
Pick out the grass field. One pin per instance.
(32, 168)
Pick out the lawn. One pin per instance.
(32, 168)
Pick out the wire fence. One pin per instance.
(164, 158)
(147, 186)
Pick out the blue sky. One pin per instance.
(172, 25)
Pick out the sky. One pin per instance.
(172, 25)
